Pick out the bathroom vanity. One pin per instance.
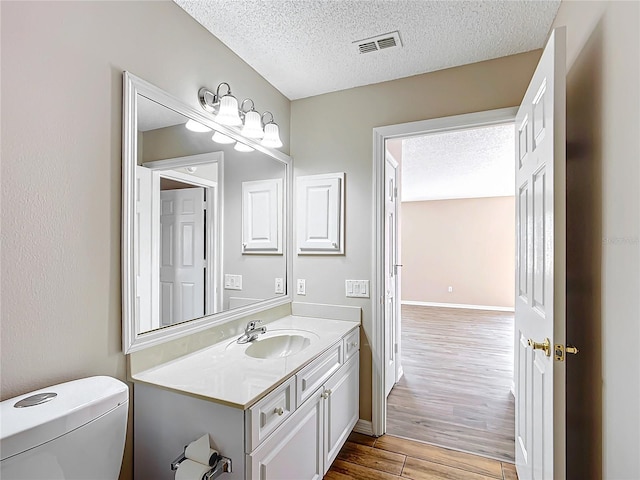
(284, 417)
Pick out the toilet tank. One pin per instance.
(74, 430)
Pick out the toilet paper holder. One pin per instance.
(220, 465)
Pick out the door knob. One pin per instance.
(279, 411)
(544, 346)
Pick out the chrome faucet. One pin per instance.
(251, 332)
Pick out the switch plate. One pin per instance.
(450, 289)
(357, 288)
(232, 282)
(279, 285)
(301, 286)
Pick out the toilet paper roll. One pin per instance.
(190, 470)
(200, 451)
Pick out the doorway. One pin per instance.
(424, 350)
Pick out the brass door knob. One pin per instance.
(544, 346)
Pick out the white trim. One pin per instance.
(364, 427)
(380, 134)
(458, 305)
(332, 312)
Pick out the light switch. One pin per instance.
(279, 288)
(357, 288)
(302, 287)
(232, 282)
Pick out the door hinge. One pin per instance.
(560, 350)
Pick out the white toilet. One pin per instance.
(74, 430)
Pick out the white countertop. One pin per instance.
(223, 373)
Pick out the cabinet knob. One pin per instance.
(326, 393)
(279, 411)
(354, 344)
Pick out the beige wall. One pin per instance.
(333, 133)
(603, 224)
(62, 66)
(467, 243)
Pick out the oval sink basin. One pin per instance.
(278, 346)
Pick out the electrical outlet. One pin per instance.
(301, 286)
(279, 285)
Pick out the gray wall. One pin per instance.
(62, 66)
(333, 133)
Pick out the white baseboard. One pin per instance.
(458, 305)
(365, 427)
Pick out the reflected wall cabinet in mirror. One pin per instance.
(187, 264)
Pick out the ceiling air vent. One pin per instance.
(377, 43)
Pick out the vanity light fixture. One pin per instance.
(252, 127)
(271, 133)
(196, 127)
(241, 147)
(226, 111)
(221, 138)
(225, 107)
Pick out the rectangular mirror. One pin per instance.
(205, 227)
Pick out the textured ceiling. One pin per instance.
(305, 47)
(469, 163)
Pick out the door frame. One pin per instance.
(380, 135)
(214, 214)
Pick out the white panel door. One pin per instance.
(145, 301)
(182, 255)
(540, 269)
(392, 304)
(262, 216)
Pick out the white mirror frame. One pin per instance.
(132, 339)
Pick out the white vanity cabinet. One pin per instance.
(309, 441)
(294, 432)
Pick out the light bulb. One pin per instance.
(221, 138)
(196, 127)
(241, 147)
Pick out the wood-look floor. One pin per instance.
(455, 392)
(395, 458)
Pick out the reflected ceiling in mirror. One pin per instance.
(205, 230)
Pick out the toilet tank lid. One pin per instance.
(76, 403)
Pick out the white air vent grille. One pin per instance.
(380, 42)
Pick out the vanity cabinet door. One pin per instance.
(341, 408)
(295, 450)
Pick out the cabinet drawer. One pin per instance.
(265, 416)
(314, 375)
(351, 344)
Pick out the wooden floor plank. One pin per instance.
(452, 458)
(382, 460)
(357, 472)
(509, 471)
(458, 369)
(362, 439)
(417, 469)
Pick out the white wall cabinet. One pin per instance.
(320, 214)
(262, 216)
(286, 435)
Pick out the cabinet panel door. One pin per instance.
(294, 451)
(341, 408)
